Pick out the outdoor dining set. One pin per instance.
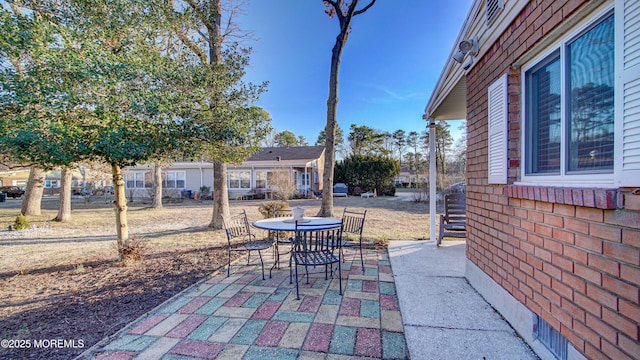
(313, 243)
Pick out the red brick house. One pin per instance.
(550, 90)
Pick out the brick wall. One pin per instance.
(571, 256)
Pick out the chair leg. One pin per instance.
(361, 257)
(441, 232)
(276, 257)
(229, 264)
(297, 289)
(306, 270)
(261, 263)
(291, 273)
(340, 275)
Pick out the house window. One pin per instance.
(239, 180)
(174, 180)
(51, 184)
(138, 180)
(261, 179)
(304, 179)
(569, 102)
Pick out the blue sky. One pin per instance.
(389, 67)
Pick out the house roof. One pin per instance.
(271, 154)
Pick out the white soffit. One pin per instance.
(454, 105)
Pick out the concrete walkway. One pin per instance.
(443, 316)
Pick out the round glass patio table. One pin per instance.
(289, 224)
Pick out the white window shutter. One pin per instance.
(627, 92)
(498, 117)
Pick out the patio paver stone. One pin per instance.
(245, 317)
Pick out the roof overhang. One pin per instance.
(288, 163)
(448, 99)
(451, 104)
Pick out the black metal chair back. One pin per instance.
(237, 226)
(314, 246)
(240, 238)
(282, 213)
(280, 237)
(353, 224)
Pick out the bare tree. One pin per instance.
(283, 184)
(270, 139)
(344, 11)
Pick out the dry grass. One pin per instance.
(90, 235)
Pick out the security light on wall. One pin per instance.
(459, 56)
(467, 65)
(466, 47)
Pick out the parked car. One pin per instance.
(460, 187)
(107, 190)
(80, 192)
(340, 189)
(12, 191)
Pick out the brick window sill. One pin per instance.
(594, 198)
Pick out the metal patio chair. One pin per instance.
(281, 238)
(316, 246)
(240, 238)
(352, 225)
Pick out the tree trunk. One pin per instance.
(157, 186)
(220, 195)
(326, 208)
(220, 191)
(64, 205)
(120, 207)
(32, 198)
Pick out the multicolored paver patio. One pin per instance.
(245, 317)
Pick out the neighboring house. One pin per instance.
(13, 177)
(81, 179)
(551, 94)
(84, 180)
(302, 168)
(409, 178)
(304, 165)
(177, 179)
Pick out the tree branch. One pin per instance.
(358, 12)
(191, 45)
(332, 3)
(194, 6)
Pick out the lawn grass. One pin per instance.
(90, 235)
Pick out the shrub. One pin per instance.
(131, 250)
(368, 172)
(21, 223)
(267, 209)
(204, 192)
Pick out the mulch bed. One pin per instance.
(87, 302)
